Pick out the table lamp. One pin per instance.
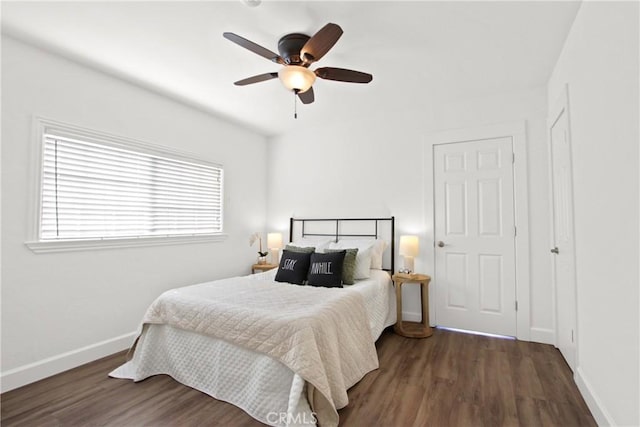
(409, 250)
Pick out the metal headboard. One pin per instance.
(337, 234)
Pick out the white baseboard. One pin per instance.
(542, 335)
(411, 316)
(33, 372)
(599, 412)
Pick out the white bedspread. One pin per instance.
(230, 352)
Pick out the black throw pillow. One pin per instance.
(326, 269)
(293, 267)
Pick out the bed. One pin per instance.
(283, 353)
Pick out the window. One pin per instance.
(105, 188)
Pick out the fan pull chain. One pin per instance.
(295, 104)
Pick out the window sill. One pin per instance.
(82, 245)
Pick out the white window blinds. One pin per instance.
(99, 191)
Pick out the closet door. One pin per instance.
(562, 249)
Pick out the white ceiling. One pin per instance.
(420, 53)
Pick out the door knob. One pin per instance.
(555, 250)
(441, 244)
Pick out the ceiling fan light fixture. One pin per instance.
(296, 78)
(297, 52)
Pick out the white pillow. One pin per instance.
(307, 242)
(377, 249)
(363, 260)
(363, 264)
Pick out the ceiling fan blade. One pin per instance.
(307, 97)
(253, 47)
(318, 45)
(343, 75)
(256, 79)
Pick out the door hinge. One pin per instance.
(516, 305)
(515, 231)
(572, 336)
(513, 157)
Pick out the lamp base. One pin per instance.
(408, 265)
(275, 256)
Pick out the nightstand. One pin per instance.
(413, 329)
(262, 267)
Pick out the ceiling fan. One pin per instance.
(297, 53)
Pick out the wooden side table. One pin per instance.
(413, 329)
(262, 267)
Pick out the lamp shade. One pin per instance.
(409, 246)
(294, 77)
(274, 240)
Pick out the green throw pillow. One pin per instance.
(300, 249)
(349, 266)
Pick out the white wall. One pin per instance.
(375, 166)
(599, 62)
(62, 309)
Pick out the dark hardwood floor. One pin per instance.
(450, 379)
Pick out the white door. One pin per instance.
(475, 236)
(563, 247)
